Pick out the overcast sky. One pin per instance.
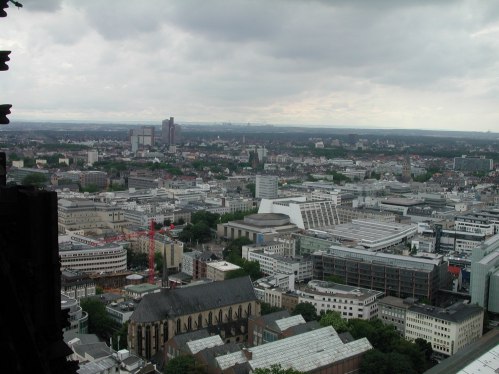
(367, 63)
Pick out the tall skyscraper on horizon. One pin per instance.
(168, 131)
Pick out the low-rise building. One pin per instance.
(218, 270)
(275, 264)
(392, 311)
(447, 329)
(108, 258)
(76, 284)
(349, 301)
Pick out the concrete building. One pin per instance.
(18, 174)
(162, 243)
(272, 247)
(218, 270)
(266, 187)
(475, 224)
(392, 311)
(485, 275)
(395, 275)
(372, 235)
(222, 307)
(92, 157)
(78, 319)
(168, 131)
(108, 258)
(447, 329)
(93, 178)
(195, 263)
(271, 264)
(77, 214)
(76, 284)
(349, 301)
(142, 138)
(138, 291)
(257, 227)
(302, 213)
(473, 164)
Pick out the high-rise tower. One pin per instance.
(168, 131)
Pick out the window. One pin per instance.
(179, 326)
(210, 319)
(189, 323)
(230, 314)
(200, 321)
(240, 312)
(220, 316)
(249, 309)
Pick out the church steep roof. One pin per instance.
(195, 299)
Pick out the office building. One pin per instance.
(395, 275)
(93, 178)
(392, 311)
(77, 318)
(92, 157)
(218, 270)
(78, 214)
(261, 227)
(473, 164)
(447, 329)
(271, 264)
(76, 284)
(266, 187)
(168, 131)
(107, 258)
(485, 275)
(349, 301)
(142, 138)
(371, 235)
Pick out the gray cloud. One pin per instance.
(318, 62)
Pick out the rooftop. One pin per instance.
(456, 313)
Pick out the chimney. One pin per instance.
(248, 354)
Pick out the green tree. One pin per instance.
(307, 310)
(276, 369)
(183, 365)
(158, 262)
(266, 308)
(252, 188)
(233, 250)
(334, 279)
(99, 290)
(99, 322)
(35, 179)
(333, 318)
(91, 188)
(122, 333)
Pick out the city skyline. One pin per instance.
(416, 65)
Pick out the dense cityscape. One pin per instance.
(196, 244)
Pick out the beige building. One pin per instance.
(162, 243)
(218, 270)
(222, 308)
(448, 330)
(76, 214)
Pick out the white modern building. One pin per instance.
(448, 330)
(108, 258)
(372, 235)
(351, 302)
(266, 187)
(271, 264)
(218, 270)
(304, 214)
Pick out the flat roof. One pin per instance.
(371, 232)
(222, 265)
(141, 288)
